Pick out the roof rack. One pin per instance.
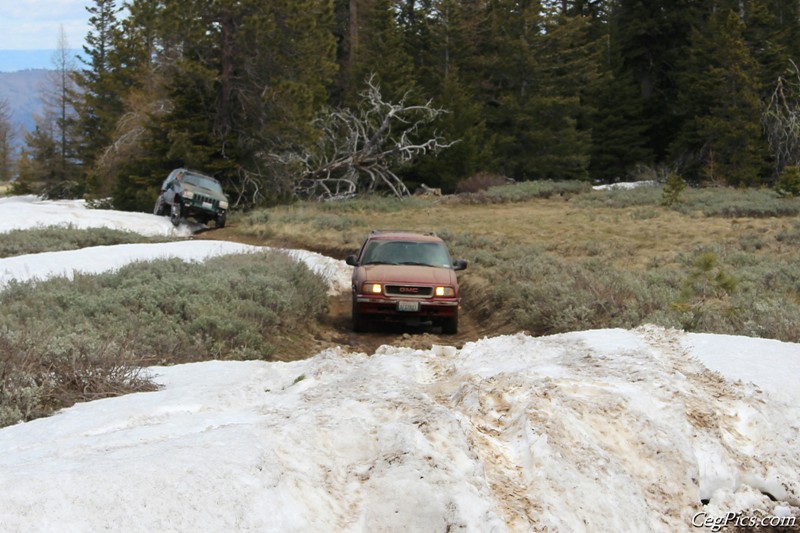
(379, 231)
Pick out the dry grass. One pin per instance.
(562, 263)
(632, 237)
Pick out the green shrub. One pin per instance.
(480, 182)
(711, 202)
(790, 235)
(36, 379)
(788, 184)
(542, 293)
(92, 333)
(57, 238)
(736, 203)
(523, 191)
(720, 289)
(671, 194)
(648, 195)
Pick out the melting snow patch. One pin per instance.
(513, 433)
(26, 212)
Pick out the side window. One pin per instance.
(170, 179)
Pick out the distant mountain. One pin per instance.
(15, 60)
(23, 90)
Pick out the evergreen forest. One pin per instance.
(590, 90)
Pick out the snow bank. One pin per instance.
(625, 185)
(596, 431)
(25, 212)
(99, 259)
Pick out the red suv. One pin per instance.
(405, 277)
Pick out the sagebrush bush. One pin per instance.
(711, 202)
(523, 191)
(480, 182)
(790, 235)
(61, 238)
(649, 195)
(36, 379)
(736, 203)
(718, 289)
(92, 333)
(788, 184)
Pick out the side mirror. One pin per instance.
(351, 260)
(459, 264)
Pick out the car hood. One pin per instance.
(410, 274)
(205, 192)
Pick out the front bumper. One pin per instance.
(387, 308)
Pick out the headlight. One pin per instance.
(188, 195)
(223, 204)
(372, 288)
(445, 291)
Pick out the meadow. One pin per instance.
(543, 258)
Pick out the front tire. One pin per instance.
(175, 214)
(359, 323)
(450, 324)
(221, 220)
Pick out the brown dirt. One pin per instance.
(335, 328)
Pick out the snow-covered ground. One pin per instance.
(625, 185)
(26, 212)
(608, 430)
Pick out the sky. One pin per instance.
(647, 429)
(36, 24)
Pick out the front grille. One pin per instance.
(200, 199)
(409, 291)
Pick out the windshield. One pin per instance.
(406, 253)
(203, 182)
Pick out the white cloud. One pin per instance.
(35, 24)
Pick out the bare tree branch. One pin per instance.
(361, 150)
(781, 120)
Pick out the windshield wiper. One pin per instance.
(378, 263)
(415, 263)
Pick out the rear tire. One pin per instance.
(159, 209)
(450, 325)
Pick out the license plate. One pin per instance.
(408, 306)
(207, 205)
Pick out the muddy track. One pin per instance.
(335, 328)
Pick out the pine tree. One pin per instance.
(382, 52)
(720, 95)
(619, 135)
(54, 141)
(651, 39)
(99, 104)
(235, 79)
(534, 72)
(464, 124)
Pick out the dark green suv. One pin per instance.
(186, 193)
